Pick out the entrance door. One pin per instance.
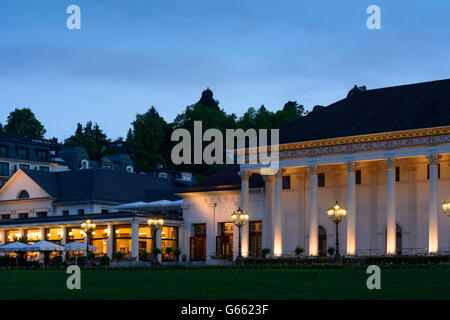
(224, 242)
(198, 243)
(255, 229)
(322, 242)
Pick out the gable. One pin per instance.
(18, 182)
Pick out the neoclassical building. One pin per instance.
(384, 154)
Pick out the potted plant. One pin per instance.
(118, 256)
(265, 252)
(331, 250)
(156, 252)
(168, 252)
(144, 255)
(299, 251)
(177, 253)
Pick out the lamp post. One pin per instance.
(336, 214)
(155, 226)
(239, 218)
(446, 208)
(88, 228)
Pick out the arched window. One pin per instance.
(23, 195)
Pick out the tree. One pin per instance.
(317, 108)
(356, 90)
(23, 121)
(148, 139)
(92, 138)
(290, 112)
(207, 99)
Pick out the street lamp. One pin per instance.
(155, 226)
(239, 218)
(446, 208)
(336, 214)
(88, 228)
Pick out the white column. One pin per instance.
(269, 195)
(42, 232)
(277, 224)
(158, 243)
(351, 209)
(412, 209)
(110, 241)
(433, 243)
(186, 232)
(245, 175)
(373, 210)
(135, 240)
(211, 227)
(2, 236)
(391, 210)
(63, 240)
(313, 222)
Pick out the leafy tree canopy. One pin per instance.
(92, 138)
(355, 90)
(23, 121)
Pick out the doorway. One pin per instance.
(198, 243)
(322, 242)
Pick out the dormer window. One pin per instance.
(23, 195)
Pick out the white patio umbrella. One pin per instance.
(45, 246)
(131, 206)
(15, 247)
(78, 246)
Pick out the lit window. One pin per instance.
(23, 195)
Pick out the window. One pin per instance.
(105, 211)
(42, 214)
(100, 240)
(23, 215)
(428, 171)
(23, 195)
(65, 213)
(122, 239)
(75, 234)
(44, 168)
(145, 241)
(397, 174)
(358, 177)
(6, 217)
(12, 236)
(32, 235)
(4, 169)
(3, 151)
(22, 152)
(321, 180)
(54, 235)
(286, 182)
(169, 239)
(42, 155)
(198, 243)
(81, 211)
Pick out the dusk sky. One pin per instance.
(130, 55)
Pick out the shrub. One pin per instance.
(118, 255)
(265, 252)
(331, 250)
(156, 251)
(169, 250)
(105, 261)
(177, 252)
(407, 260)
(299, 250)
(81, 261)
(91, 255)
(144, 255)
(57, 261)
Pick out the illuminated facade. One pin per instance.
(384, 154)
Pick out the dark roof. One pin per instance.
(102, 185)
(103, 216)
(413, 106)
(18, 138)
(226, 179)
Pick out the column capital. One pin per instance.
(245, 175)
(279, 173)
(351, 166)
(312, 169)
(433, 159)
(391, 163)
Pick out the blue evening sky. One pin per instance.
(130, 55)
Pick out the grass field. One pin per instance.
(223, 284)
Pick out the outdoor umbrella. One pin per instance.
(15, 247)
(45, 246)
(78, 246)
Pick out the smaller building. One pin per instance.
(44, 205)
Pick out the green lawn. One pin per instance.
(226, 284)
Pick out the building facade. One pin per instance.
(383, 154)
